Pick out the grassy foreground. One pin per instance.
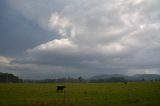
(82, 94)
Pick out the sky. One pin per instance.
(69, 38)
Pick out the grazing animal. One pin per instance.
(125, 82)
(60, 88)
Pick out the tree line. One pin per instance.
(9, 78)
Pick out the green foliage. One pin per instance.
(6, 77)
(81, 94)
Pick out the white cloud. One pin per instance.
(5, 60)
(54, 45)
(62, 24)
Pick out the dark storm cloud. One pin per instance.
(17, 33)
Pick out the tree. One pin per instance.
(80, 79)
(7, 77)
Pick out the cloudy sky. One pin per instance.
(70, 38)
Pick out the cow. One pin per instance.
(125, 82)
(60, 88)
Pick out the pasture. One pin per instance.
(81, 94)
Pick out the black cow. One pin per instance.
(125, 82)
(60, 88)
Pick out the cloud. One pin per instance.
(18, 32)
(5, 60)
(113, 36)
(18, 69)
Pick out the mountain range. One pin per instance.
(126, 77)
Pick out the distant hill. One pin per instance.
(137, 77)
(145, 76)
(106, 76)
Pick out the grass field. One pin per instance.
(81, 94)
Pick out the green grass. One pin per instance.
(81, 94)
